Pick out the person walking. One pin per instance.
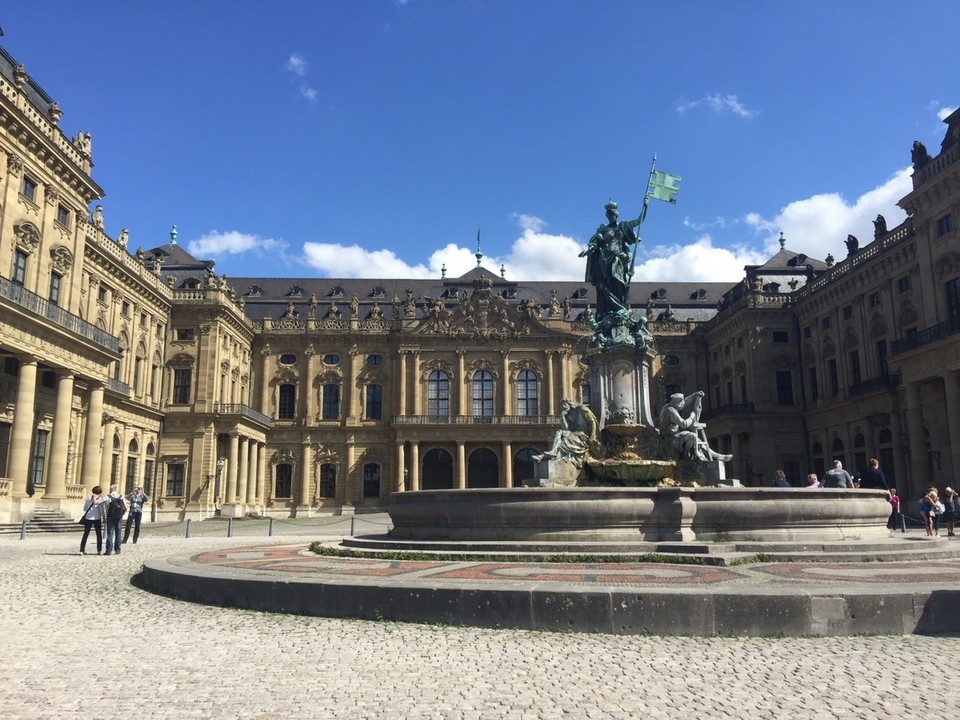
(137, 498)
(115, 512)
(93, 512)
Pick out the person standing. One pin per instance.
(837, 477)
(93, 511)
(115, 512)
(873, 476)
(951, 508)
(780, 480)
(895, 521)
(137, 498)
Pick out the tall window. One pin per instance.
(482, 394)
(953, 298)
(438, 394)
(328, 480)
(814, 390)
(743, 389)
(283, 483)
(784, 387)
(19, 272)
(131, 478)
(374, 402)
(63, 215)
(882, 356)
(137, 367)
(331, 402)
(834, 378)
(181, 386)
(585, 393)
(527, 394)
(28, 188)
(855, 376)
(371, 480)
(55, 281)
(39, 457)
(147, 476)
(175, 475)
(287, 402)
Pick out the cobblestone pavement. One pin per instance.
(79, 640)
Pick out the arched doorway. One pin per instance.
(483, 469)
(437, 470)
(523, 467)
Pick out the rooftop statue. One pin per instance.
(578, 436)
(680, 424)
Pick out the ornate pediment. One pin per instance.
(483, 315)
(284, 456)
(27, 235)
(435, 364)
(61, 258)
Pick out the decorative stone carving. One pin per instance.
(61, 258)
(27, 236)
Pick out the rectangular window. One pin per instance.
(154, 374)
(125, 309)
(19, 274)
(814, 390)
(137, 367)
(903, 284)
(184, 334)
(834, 377)
(882, 356)
(784, 387)
(855, 376)
(807, 333)
(730, 392)
(39, 460)
(328, 480)
(63, 216)
(181, 386)
(875, 299)
(147, 476)
(55, 281)
(175, 475)
(131, 478)
(287, 402)
(374, 397)
(143, 320)
(825, 323)
(743, 389)
(115, 470)
(953, 298)
(283, 487)
(28, 188)
(585, 393)
(371, 480)
(781, 336)
(848, 312)
(945, 224)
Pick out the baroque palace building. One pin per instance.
(298, 396)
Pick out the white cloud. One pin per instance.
(719, 103)
(945, 112)
(216, 243)
(700, 260)
(817, 226)
(297, 65)
(309, 93)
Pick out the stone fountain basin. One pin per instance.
(633, 515)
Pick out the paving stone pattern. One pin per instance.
(79, 640)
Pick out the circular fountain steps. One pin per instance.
(895, 548)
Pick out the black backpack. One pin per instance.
(116, 509)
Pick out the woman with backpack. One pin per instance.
(115, 512)
(93, 512)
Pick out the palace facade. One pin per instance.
(298, 396)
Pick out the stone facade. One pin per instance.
(298, 396)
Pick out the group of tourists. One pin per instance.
(936, 509)
(101, 511)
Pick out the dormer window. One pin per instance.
(659, 294)
(337, 292)
(452, 293)
(580, 293)
(295, 291)
(190, 284)
(700, 294)
(510, 293)
(254, 291)
(378, 292)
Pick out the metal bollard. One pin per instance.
(188, 527)
(229, 527)
(270, 529)
(353, 524)
(23, 530)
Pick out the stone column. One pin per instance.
(461, 466)
(918, 444)
(414, 465)
(507, 408)
(899, 457)
(309, 398)
(253, 470)
(262, 476)
(90, 469)
(230, 496)
(350, 388)
(951, 391)
(60, 440)
(122, 465)
(506, 477)
(306, 475)
(418, 405)
(243, 469)
(347, 470)
(564, 378)
(461, 383)
(21, 434)
(548, 391)
(402, 387)
(106, 460)
(401, 466)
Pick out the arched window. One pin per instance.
(438, 394)
(523, 466)
(371, 480)
(287, 402)
(483, 469)
(482, 394)
(328, 480)
(837, 450)
(527, 394)
(331, 402)
(859, 454)
(437, 473)
(283, 481)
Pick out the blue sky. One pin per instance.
(376, 137)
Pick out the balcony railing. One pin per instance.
(475, 420)
(242, 410)
(883, 382)
(121, 388)
(730, 409)
(42, 307)
(925, 337)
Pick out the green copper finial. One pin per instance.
(173, 235)
(783, 241)
(503, 271)
(443, 270)
(479, 255)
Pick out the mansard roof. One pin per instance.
(789, 261)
